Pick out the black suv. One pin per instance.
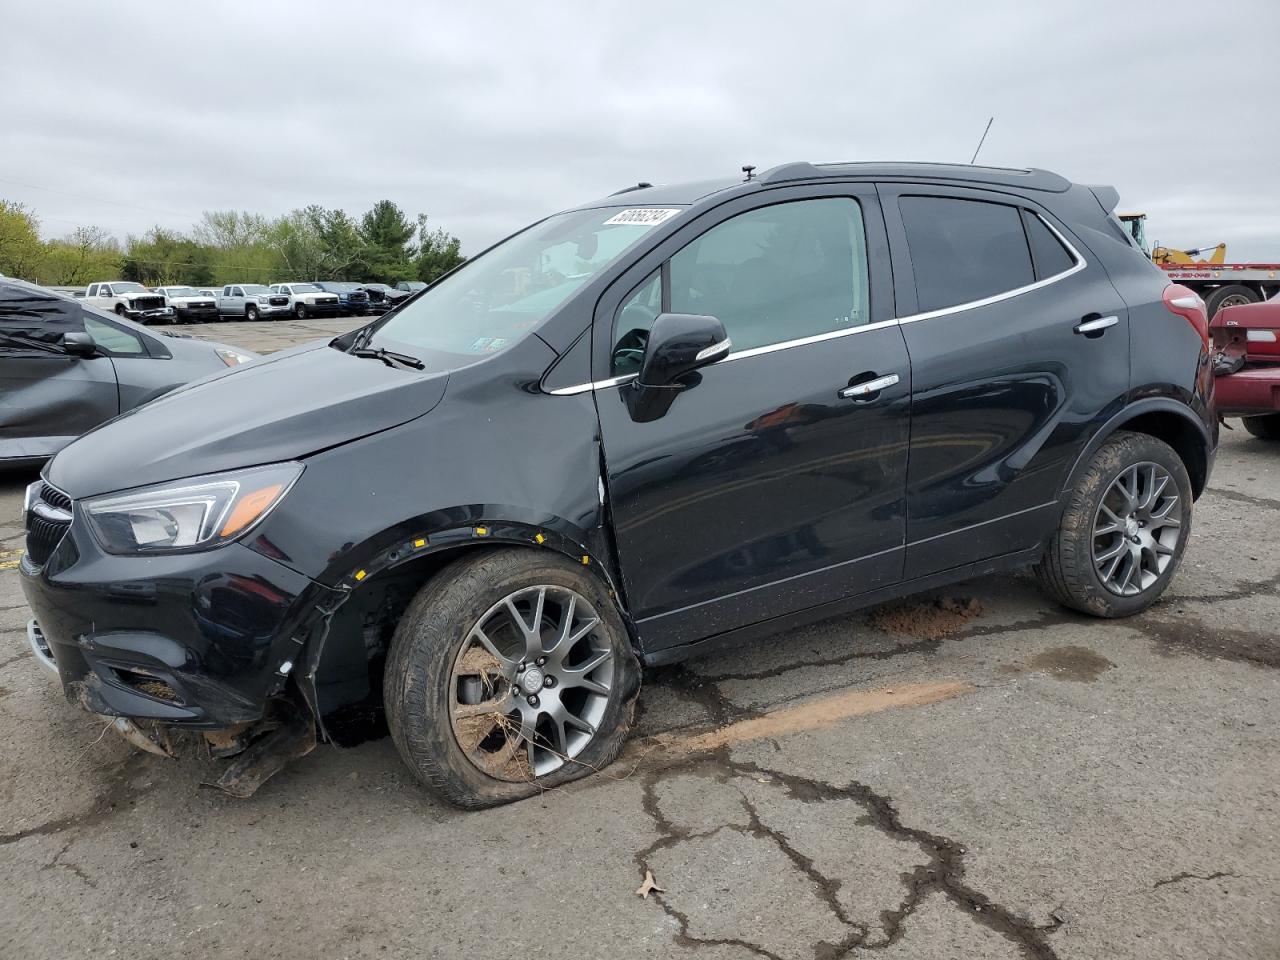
(661, 422)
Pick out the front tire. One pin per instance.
(300, 311)
(251, 314)
(510, 673)
(120, 311)
(1123, 531)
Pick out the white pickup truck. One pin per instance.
(308, 300)
(251, 301)
(126, 298)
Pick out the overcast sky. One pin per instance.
(488, 115)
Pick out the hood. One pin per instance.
(280, 408)
(183, 301)
(312, 296)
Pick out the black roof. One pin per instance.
(688, 193)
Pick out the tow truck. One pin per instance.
(1219, 284)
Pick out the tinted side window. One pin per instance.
(112, 338)
(779, 273)
(632, 325)
(964, 250)
(1050, 256)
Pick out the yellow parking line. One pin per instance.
(9, 559)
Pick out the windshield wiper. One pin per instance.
(389, 357)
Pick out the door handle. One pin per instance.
(868, 387)
(1097, 325)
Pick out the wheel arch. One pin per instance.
(341, 663)
(1165, 420)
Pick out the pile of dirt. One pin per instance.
(925, 618)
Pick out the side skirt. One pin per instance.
(838, 608)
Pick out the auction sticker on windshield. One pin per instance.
(643, 216)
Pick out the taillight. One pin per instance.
(1187, 304)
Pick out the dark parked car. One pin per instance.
(352, 298)
(633, 432)
(66, 366)
(410, 286)
(383, 297)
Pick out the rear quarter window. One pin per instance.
(964, 250)
(1047, 252)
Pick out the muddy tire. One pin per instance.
(478, 671)
(1266, 427)
(1123, 530)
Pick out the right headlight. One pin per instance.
(193, 514)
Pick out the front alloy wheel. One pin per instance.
(510, 672)
(531, 683)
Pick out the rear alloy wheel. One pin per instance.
(1266, 427)
(1123, 531)
(510, 672)
(251, 313)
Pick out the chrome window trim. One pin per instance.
(1080, 264)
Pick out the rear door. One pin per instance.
(1019, 349)
(765, 488)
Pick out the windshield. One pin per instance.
(304, 288)
(255, 288)
(497, 299)
(179, 291)
(128, 288)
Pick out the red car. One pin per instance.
(1246, 341)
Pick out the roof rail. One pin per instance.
(791, 171)
(642, 185)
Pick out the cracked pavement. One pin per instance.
(973, 773)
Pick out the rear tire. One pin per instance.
(1085, 562)
(1265, 427)
(1232, 295)
(460, 716)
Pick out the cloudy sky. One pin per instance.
(485, 116)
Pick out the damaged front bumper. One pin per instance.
(200, 640)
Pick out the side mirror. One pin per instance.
(79, 345)
(679, 343)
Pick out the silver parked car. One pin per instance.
(66, 366)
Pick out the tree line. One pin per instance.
(228, 246)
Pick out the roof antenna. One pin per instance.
(748, 170)
(982, 141)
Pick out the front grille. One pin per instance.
(202, 306)
(279, 301)
(44, 533)
(148, 303)
(359, 295)
(326, 299)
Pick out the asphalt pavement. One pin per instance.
(972, 773)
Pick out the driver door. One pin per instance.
(766, 488)
(49, 398)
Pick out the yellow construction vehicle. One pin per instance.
(1136, 224)
(1221, 284)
